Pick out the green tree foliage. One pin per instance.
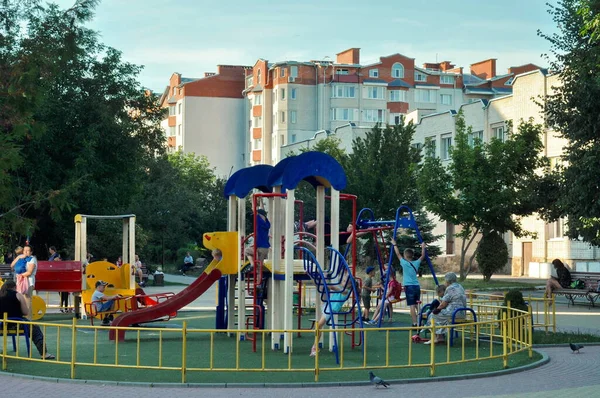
(492, 255)
(487, 186)
(572, 110)
(382, 172)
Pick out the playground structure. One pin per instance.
(285, 265)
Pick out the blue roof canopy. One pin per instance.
(317, 168)
(243, 181)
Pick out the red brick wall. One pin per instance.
(350, 56)
(484, 69)
(385, 68)
(517, 70)
(397, 107)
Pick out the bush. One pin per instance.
(492, 254)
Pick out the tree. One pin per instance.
(382, 172)
(492, 254)
(79, 130)
(487, 187)
(572, 110)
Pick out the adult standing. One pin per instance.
(29, 275)
(64, 296)
(454, 298)
(261, 240)
(412, 288)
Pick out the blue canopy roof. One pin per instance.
(245, 180)
(317, 168)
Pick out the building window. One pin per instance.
(179, 129)
(475, 136)
(341, 71)
(499, 133)
(174, 90)
(282, 94)
(282, 139)
(430, 147)
(179, 108)
(343, 91)
(446, 99)
(373, 72)
(374, 92)
(398, 70)
(172, 131)
(293, 117)
(374, 115)
(282, 116)
(397, 96)
(425, 96)
(293, 93)
(248, 81)
(446, 145)
(258, 143)
(293, 71)
(395, 118)
(172, 110)
(446, 79)
(556, 230)
(282, 72)
(420, 77)
(258, 77)
(345, 114)
(258, 99)
(258, 121)
(293, 138)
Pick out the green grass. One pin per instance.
(199, 344)
(540, 337)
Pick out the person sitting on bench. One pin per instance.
(562, 280)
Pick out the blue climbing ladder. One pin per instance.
(333, 276)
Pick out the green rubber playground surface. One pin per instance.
(169, 354)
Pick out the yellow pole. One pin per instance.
(212, 349)
(160, 348)
(387, 342)
(530, 331)
(183, 351)
(4, 333)
(317, 339)
(432, 348)
(137, 356)
(504, 347)
(553, 314)
(73, 346)
(365, 334)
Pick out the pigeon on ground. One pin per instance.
(575, 347)
(377, 380)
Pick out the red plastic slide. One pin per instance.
(180, 300)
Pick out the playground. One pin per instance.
(262, 327)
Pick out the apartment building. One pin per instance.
(208, 116)
(290, 101)
(488, 119)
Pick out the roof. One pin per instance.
(172, 100)
(245, 180)
(426, 84)
(472, 79)
(257, 88)
(398, 83)
(185, 80)
(479, 90)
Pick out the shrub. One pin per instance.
(492, 254)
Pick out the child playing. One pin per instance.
(394, 289)
(367, 290)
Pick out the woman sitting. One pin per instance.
(454, 298)
(562, 280)
(14, 305)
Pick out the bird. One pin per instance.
(575, 347)
(378, 381)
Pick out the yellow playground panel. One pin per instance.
(117, 278)
(298, 267)
(226, 243)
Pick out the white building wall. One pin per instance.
(216, 128)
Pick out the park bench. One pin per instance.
(5, 271)
(589, 292)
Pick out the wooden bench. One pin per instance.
(589, 292)
(5, 271)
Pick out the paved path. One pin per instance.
(566, 375)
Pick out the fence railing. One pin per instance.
(186, 350)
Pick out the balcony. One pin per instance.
(345, 78)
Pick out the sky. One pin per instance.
(193, 36)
